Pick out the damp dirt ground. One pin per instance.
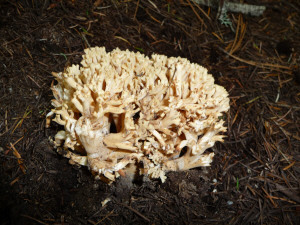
(254, 178)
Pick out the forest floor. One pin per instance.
(254, 178)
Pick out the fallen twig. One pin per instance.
(253, 10)
(257, 64)
(135, 211)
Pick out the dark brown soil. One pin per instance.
(254, 178)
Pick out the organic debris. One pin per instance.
(254, 177)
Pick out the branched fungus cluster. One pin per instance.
(121, 108)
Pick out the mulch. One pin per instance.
(254, 178)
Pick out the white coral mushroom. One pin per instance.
(166, 113)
